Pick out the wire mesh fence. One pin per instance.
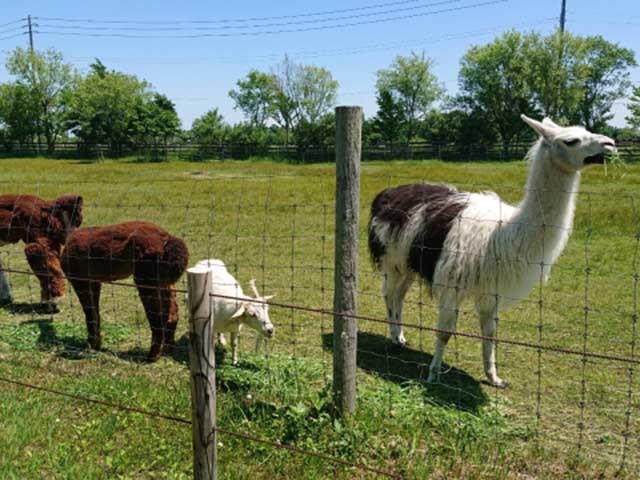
(569, 349)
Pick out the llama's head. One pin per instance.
(257, 313)
(572, 148)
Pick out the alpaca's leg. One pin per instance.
(154, 307)
(447, 320)
(5, 288)
(222, 340)
(488, 324)
(170, 308)
(394, 289)
(234, 348)
(89, 296)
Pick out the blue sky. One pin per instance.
(197, 73)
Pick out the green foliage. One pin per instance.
(255, 96)
(209, 128)
(634, 108)
(494, 81)
(413, 87)
(389, 120)
(106, 107)
(604, 72)
(313, 91)
(19, 114)
(44, 80)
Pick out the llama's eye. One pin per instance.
(572, 142)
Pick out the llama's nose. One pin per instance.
(269, 331)
(608, 144)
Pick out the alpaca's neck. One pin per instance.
(549, 202)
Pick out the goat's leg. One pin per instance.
(5, 288)
(89, 296)
(394, 289)
(488, 324)
(447, 320)
(234, 348)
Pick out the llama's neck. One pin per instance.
(549, 203)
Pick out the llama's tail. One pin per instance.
(176, 259)
(377, 248)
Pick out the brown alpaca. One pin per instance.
(156, 260)
(43, 226)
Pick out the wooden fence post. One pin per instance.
(203, 374)
(345, 329)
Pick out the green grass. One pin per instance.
(274, 222)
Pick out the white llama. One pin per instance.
(475, 245)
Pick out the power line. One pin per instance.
(13, 36)
(252, 26)
(231, 20)
(273, 32)
(275, 56)
(13, 22)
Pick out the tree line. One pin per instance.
(573, 79)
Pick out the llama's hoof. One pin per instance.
(50, 307)
(399, 340)
(497, 382)
(433, 377)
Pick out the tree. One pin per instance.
(48, 79)
(19, 113)
(255, 96)
(156, 120)
(634, 108)
(413, 87)
(389, 119)
(210, 128)
(107, 107)
(284, 112)
(604, 74)
(494, 82)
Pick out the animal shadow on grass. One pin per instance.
(379, 356)
(69, 347)
(25, 308)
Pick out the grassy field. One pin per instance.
(562, 415)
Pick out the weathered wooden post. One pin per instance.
(345, 329)
(203, 374)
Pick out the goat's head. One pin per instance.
(256, 312)
(572, 148)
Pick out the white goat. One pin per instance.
(229, 314)
(475, 245)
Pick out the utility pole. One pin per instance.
(563, 15)
(30, 33)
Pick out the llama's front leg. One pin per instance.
(234, 348)
(447, 320)
(488, 324)
(5, 288)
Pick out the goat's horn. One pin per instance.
(252, 282)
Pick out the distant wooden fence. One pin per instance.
(451, 152)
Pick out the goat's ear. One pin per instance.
(239, 312)
(543, 130)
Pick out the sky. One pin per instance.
(231, 38)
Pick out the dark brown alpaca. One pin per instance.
(156, 260)
(43, 226)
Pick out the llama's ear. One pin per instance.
(238, 313)
(547, 122)
(539, 127)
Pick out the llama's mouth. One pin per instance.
(594, 159)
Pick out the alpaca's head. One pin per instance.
(572, 148)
